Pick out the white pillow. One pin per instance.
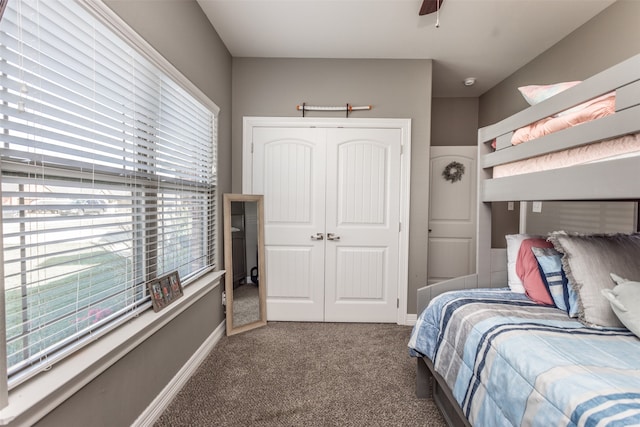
(625, 302)
(535, 94)
(513, 246)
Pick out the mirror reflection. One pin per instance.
(244, 283)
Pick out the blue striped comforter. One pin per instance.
(511, 362)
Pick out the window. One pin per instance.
(108, 178)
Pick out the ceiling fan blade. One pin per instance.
(429, 6)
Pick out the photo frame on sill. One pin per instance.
(165, 290)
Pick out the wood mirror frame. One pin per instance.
(245, 284)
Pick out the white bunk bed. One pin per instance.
(615, 178)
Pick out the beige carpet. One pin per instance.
(306, 374)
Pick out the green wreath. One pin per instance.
(453, 172)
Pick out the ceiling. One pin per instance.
(485, 39)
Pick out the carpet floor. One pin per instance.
(306, 374)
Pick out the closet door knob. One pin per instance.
(331, 236)
(317, 236)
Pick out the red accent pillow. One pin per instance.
(527, 270)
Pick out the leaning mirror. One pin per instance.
(245, 284)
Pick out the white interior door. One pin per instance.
(332, 216)
(452, 215)
(289, 169)
(362, 223)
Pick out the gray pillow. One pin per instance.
(588, 261)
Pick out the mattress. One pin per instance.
(509, 361)
(595, 109)
(625, 146)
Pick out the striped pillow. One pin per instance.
(550, 265)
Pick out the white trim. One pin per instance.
(37, 397)
(405, 175)
(405, 198)
(150, 415)
(411, 319)
(522, 221)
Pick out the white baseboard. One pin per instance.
(162, 401)
(411, 319)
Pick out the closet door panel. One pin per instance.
(362, 213)
(289, 171)
(360, 273)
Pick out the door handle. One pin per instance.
(331, 236)
(317, 236)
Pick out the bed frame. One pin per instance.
(606, 180)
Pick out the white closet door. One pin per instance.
(452, 215)
(362, 215)
(289, 169)
(332, 206)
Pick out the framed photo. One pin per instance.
(165, 290)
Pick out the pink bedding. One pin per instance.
(619, 147)
(591, 110)
(602, 106)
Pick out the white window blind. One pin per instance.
(108, 179)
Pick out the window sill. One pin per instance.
(39, 395)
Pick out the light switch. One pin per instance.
(536, 207)
(510, 206)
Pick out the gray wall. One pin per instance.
(609, 38)
(120, 394)
(395, 88)
(454, 121)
